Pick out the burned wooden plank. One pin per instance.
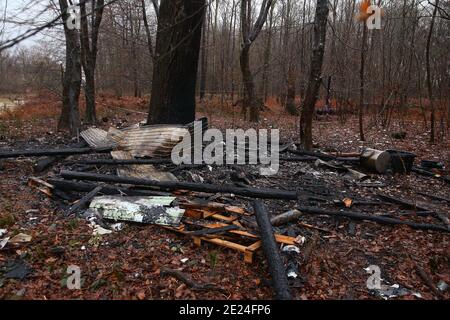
(47, 188)
(213, 231)
(67, 185)
(192, 186)
(299, 159)
(318, 155)
(378, 219)
(433, 196)
(430, 174)
(270, 248)
(46, 162)
(50, 152)
(83, 203)
(124, 162)
(403, 202)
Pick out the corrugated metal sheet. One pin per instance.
(142, 141)
(151, 141)
(97, 138)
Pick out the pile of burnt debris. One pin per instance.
(127, 176)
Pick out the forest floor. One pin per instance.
(126, 264)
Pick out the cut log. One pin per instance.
(67, 185)
(272, 253)
(175, 185)
(375, 160)
(285, 218)
(50, 152)
(83, 203)
(378, 219)
(43, 164)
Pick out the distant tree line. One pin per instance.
(250, 51)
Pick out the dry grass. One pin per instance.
(46, 105)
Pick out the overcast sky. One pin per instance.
(21, 15)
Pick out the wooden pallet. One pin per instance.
(247, 250)
(223, 221)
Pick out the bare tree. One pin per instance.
(70, 115)
(361, 81)
(268, 53)
(429, 81)
(249, 34)
(89, 48)
(204, 55)
(147, 30)
(315, 76)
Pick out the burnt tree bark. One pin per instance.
(201, 187)
(204, 57)
(249, 34)
(89, 50)
(176, 61)
(70, 115)
(315, 76)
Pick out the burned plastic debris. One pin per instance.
(147, 210)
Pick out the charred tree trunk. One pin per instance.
(315, 77)
(70, 115)
(177, 54)
(204, 57)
